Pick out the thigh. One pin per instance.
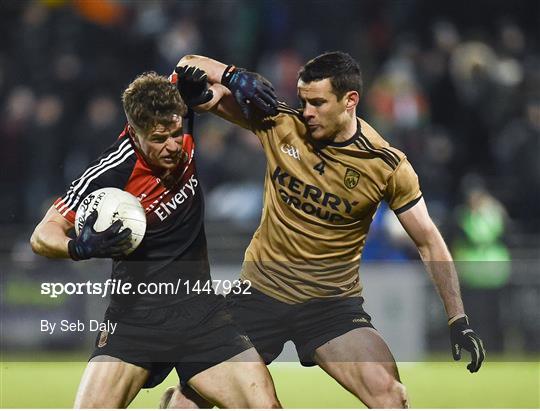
(264, 319)
(215, 339)
(318, 321)
(143, 338)
(241, 382)
(108, 382)
(360, 361)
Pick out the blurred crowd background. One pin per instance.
(455, 85)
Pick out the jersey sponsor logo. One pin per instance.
(164, 209)
(351, 178)
(290, 150)
(311, 199)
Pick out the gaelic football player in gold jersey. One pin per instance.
(327, 172)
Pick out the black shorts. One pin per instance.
(270, 323)
(191, 336)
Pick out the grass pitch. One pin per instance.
(430, 385)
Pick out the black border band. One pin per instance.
(407, 206)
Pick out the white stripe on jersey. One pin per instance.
(102, 163)
(77, 198)
(123, 152)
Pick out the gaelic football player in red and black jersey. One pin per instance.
(153, 159)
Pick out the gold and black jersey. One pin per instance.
(319, 201)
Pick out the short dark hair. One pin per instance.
(342, 70)
(152, 99)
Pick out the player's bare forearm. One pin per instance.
(439, 264)
(49, 238)
(435, 255)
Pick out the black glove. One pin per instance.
(462, 336)
(248, 87)
(104, 244)
(192, 85)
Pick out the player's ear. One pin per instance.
(131, 131)
(133, 135)
(352, 98)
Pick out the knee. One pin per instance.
(186, 398)
(269, 403)
(263, 398)
(402, 400)
(89, 403)
(166, 397)
(253, 403)
(393, 396)
(380, 390)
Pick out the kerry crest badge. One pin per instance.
(351, 178)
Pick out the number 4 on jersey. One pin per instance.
(320, 167)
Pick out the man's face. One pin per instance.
(162, 145)
(323, 113)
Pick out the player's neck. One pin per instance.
(347, 132)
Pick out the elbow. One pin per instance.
(186, 59)
(35, 243)
(433, 246)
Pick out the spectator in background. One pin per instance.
(101, 119)
(516, 149)
(396, 102)
(441, 77)
(483, 260)
(434, 73)
(15, 117)
(181, 37)
(282, 68)
(46, 124)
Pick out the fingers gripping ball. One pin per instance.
(113, 204)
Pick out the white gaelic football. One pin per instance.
(113, 204)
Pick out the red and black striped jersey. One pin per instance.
(174, 246)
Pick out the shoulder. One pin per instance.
(371, 141)
(118, 156)
(111, 169)
(286, 121)
(122, 144)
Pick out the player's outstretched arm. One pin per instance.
(440, 265)
(236, 92)
(50, 238)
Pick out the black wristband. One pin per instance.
(457, 317)
(228, 73)
(72, 250)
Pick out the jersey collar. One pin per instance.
(349, 140)
(352, 139)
